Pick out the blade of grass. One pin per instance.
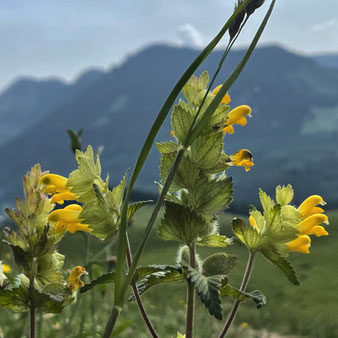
(229, 81)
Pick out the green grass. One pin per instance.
(308, 310)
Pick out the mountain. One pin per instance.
(293, 133)
(328, 60)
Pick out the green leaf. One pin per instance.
(219, 264)
(181, 119)
(16, 299)
(48, 268)
(167, 161)
(266, 201)
(167, 147)
(75, 140)
(247, 234)
(132, 208)
(88, 173)
(207, 149)
(284, 195)
(103, 279)
(290, 215)
(214, 241)
(208, 290)
(222, 164)
(211, 197)
(143, 271)
(242, 296)
(170, 274)
(180, 223)
(273, 219)
(282, 263)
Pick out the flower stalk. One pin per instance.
(243, 286)
(189, 333)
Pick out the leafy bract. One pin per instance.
(181, 223)
(88, 173)
(103, 279)
(247, 234)
(282, 263)
(284, 195)
(208, 290)
(211, 196)
(16, 299)
(266, 201)
(214, 240)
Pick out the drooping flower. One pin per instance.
(237, 116)
(73, 281)
(57, 186)
(68, 219)
(226, 98)
(309, 206)
(242, 158)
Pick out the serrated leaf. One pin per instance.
(103, 279)
(211, 197)
(143, 271)
(16, 299)
(273, 218)
(171, 274)
(181, 119)
(132, 208)
(222, 164)
(282, 263)
(284, 195)
(88, 173)
(50, 303)
(266, 201)
(48, 268)
(180, 223)
(247, 234)
(167, 147)
(242, 296)
(219, 264)
(167, 161)
(208, 290)
(214, 241)
(206, 150)
(290, 215)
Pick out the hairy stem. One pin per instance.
(189, 332)
(244, 284)
(31, 311)
(138, 297)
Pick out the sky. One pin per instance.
(62, 38)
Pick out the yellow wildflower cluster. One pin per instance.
(73, 281)
(69, 217)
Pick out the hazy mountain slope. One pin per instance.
(285, 91)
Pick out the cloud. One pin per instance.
(324, 25)
(190, 36)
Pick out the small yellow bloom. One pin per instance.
(226, 98)
(73, 281)
(172, 134)
(56, 185)
(253, 223)
(310, 225)
(309, 206)
(237, 116)
(242, 158)
(300, 244)
(6, 268)
(68, 219)
(244, 325)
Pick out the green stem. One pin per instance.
(31, 311)
(244, 284)
(138, 297)
(189, 332)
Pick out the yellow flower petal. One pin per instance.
(253, 223)
(306, 208)
(242, 158)
(73, 227)
(73, 281)
(56, 182)
(318, 231)
(6, 268)
(308, 223)
(62, 196)
(172, 134)
(226, 98)
(300, 244)
(228, 129)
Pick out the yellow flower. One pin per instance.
(237, 116)
(172, 134)
(6, 268)
(300, 244)
(310, 225)
(73, 281)
(68, 219)
(309, 206)
(57, 186)
(244, 325)
(242, 158)
(226, 98)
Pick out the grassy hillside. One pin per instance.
(308, 310)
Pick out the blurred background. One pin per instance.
(107, 67)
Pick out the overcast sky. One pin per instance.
(63, 37)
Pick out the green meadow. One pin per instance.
(309, 310)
